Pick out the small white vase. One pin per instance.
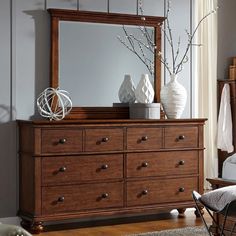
(144, 92)
(126, 91)
(173, 98)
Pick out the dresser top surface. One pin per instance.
(114, 121)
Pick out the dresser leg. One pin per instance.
(196, 212)
(36, 227)
(32, 227)
(181, 211)
(25, 224)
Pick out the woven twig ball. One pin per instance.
(54, 104)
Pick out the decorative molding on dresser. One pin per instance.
(99, 168)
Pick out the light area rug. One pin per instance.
(188, 231)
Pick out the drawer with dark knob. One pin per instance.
(162, 163)
(62, 169)
(144, 138)
(61, 199)
(181, 137)
(81, 197)
(145, 192)
(182, 162)
(105, 195)
(73, 169)
(144, 164)
(104, 140)
(160, 191)
(104, 167)
(61, 140)
(181, 189)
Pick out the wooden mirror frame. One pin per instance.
(58, 15)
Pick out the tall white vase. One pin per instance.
(126, 91)
(144, 92)
(173, 98)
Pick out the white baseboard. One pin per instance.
(10, 220)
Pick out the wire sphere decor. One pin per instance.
(54, 103)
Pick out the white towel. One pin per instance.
(224, 134)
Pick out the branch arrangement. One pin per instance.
(141, 47)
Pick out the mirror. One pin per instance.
(96, 65)
(87, 59)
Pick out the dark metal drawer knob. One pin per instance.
(104, 140)
(144, 138)
(182, 162)
(145, 192)
(62, 140)
(104, 167)
(181, 137)
(61, 199)
(181, 189)
(62, 169)
(105, 195)
(144, 164)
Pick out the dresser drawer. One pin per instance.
(81, 197)
(181, 137)
(81, 168)
(162, 163)
(144, 138)
(160, 191)
(61, 140)
(104, 140)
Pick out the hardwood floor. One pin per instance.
(125, 227)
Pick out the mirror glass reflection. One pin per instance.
(92, 62)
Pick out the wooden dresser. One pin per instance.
(91, 168)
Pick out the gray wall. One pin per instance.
(8, 159)
(24, 57)
(226, 37)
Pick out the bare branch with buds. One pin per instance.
(139, 46)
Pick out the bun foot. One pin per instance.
(181, 212)
(32, 227)
(36, 227)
